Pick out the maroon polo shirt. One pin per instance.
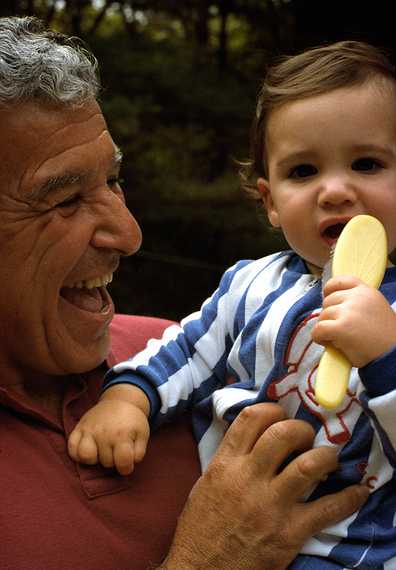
(57, 515)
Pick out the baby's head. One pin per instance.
(313, 72)
(324, 145)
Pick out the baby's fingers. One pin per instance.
(141, 446)
(325, 330)
(73, 443)
(340, 283)
(105, 452)
(124, 457)
(83, 448)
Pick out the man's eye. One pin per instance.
(72, 201)
(303, 171)
(366, 164)
(114, 180)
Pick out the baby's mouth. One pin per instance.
(333, 232)
(90, 295)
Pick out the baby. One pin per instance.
(324, 151)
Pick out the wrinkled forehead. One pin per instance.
(34, 136)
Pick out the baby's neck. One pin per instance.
(314, 270)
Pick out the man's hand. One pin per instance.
(114, 433)
(246, 512)
(356, 319)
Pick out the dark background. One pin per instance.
(180, 84)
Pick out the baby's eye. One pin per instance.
(366, 164)
(303, 171)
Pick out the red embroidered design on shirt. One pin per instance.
(302, 359)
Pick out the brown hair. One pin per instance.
(313, 72)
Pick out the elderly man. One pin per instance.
(64, 226)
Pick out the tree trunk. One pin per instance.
(222, 56)
(99, 17)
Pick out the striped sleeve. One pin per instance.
(189, 362)
(379, 399)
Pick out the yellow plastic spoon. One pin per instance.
(361, 251)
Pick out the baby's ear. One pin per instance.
(268, 203)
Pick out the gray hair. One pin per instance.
(36, 63)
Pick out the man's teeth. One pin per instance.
(97, 282)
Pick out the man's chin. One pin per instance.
(76, 354)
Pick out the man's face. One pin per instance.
(63, 227)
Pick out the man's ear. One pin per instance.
(268, 202)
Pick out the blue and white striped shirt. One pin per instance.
(256, 328)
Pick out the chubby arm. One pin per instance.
(189, 362)
(246, 512)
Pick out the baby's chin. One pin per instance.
(314, 269)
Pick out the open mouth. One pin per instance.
(333, 232)
(90, 295)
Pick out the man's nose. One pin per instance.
(117, 229)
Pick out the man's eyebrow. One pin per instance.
(57, 182)
(68, 179)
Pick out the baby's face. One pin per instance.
(331, 157)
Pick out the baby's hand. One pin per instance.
(114, 433)
(356, 319)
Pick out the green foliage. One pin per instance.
(178, 125)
